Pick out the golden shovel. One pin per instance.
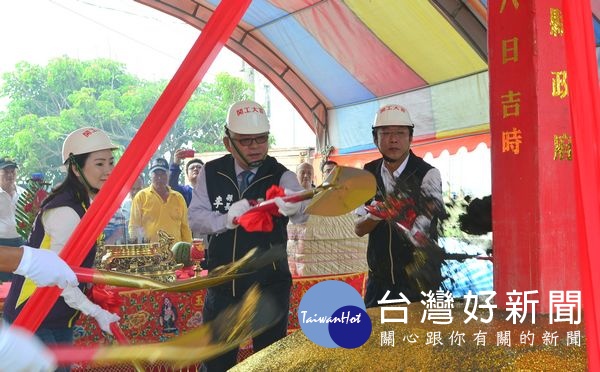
(345, 189)
(252, 261)
(236, 324)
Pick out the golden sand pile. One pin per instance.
(297, 353)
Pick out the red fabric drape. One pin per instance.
(585, 118)
(216, 32)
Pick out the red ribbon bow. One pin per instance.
(107, 297)
(262, 220)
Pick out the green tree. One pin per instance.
(45, 103)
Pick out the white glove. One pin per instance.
(104, 319)
(20, 350)
(235, 210)
(421, 224)
(286, 208)
(45, 268)
(418, 232)
(75, 298)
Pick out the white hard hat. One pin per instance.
(393, 115)
(84, 140)
(247, 117)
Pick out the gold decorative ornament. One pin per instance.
(154, 260)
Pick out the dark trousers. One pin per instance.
(13, 242)
(217, 300)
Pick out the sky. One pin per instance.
(151, 44)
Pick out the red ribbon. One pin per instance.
(400, 210)
(185, 272)
(262, 220)
(107, 297)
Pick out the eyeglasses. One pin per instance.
(248, 141)
(195, 167)
(395, 133)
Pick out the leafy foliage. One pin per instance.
(29, 204)
(45, 103)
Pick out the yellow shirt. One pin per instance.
(150, 213)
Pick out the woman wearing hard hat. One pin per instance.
(222, 191)
(87, 157)
(398, 170)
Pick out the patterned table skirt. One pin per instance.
(141, 314)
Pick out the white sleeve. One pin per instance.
(59, 224)
(202, 219)
(20, 350)
(289, 182)
(360, 211)
(431, 187)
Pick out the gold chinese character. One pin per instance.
(511, 141)
(514, 2)
(511, 104)
(510, 50)
(563, 147)
(198, 301)
(559, 84)
(556, 22)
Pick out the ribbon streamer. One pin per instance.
(584, 99)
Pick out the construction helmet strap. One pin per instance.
(92, 189)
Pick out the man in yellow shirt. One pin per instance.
(158, 207)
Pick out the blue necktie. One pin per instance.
(245, 179)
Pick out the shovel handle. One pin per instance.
(69, 354)
(66, 355)
(84, 274)
(118, 333)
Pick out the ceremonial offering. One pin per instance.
(154, 260)
(326, 245)
(197, 252)
(181, 253)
